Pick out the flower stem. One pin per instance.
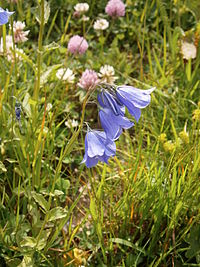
(39, 56)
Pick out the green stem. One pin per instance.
(39, 56)
(63, 154)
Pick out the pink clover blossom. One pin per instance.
(115, 8)
(77, 45)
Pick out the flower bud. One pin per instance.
(169, 146)
(184, 137)
(162, 138)
(196, 115)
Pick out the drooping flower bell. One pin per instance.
(109, 100)
(113, 124)
(134, 99)
(4, 16)
(97, 148)
(112, 116)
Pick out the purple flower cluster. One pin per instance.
(100, 145)
(115, 8)
(77, 45)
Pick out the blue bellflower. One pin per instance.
(4, 16)
(113, 124)
(134, 99)
(109, 100)
(97, 148)
(112, 115)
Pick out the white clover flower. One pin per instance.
(81, 7)
(9, 49)
(71, 123)
(85, 18)
(188, 50)
(19, 34)
(107, 73)
(9, 43)
(49, 107)
(66, 75)
(101, 24)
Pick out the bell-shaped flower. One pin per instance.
(134, 99)
(97, 148)
(113, 124)
(109, 100)
(4, 16)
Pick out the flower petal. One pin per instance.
(108, 100)
(95, 146)
(139, 98)
(113, 124)
(4, 15)
(107, 119)
(110, 148)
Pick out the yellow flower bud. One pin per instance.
(196, 115)
(162, 138)
(184, 137)
(169, 146)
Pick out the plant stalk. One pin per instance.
(39, 56)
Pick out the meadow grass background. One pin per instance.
(143, 209)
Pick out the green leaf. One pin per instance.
(13, 262)
(93, 209)
(11, 160)
(26, 262)
(40, 200)
(43, 239)
(28, 242)
(127, 243)
(46, 13)
(2, 167)
(56, 213)
(26, 105)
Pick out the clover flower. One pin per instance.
(9, 49)
(19, 34)
(115, 8)
(97, 148)
(88, 80)
(81, 7)
(101, 24)
(77, 45)
(71, 123)
(9, 43)
(4, 16)
(85, 18)
(107, 73)
(66, 75)
(134, 99)
(188, 50)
